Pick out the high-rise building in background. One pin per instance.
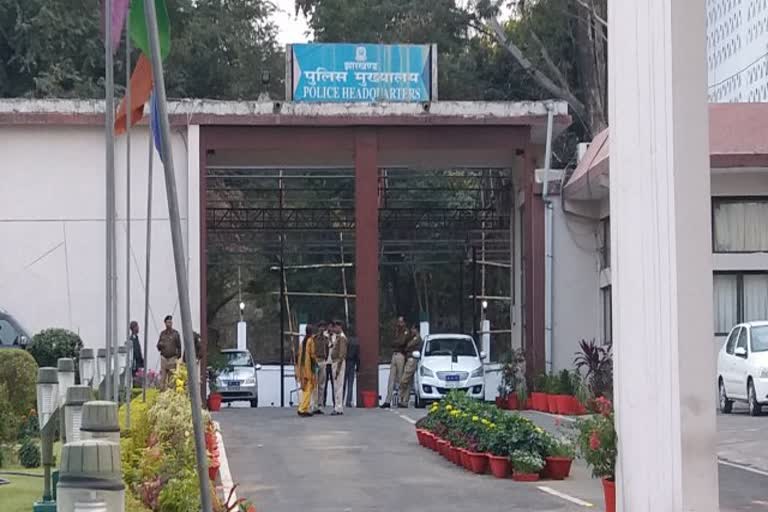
(737, 50)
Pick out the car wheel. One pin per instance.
(755, 409)
(419, 403)
(255, 402)
(726, 406)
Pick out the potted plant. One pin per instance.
(552, 389)
(497, 442)
(596, 361)
(565, 398)
(526, 465)
(523, 401)
(216, 363)
(597, 444)
(560, 454)
(539, 395)
(501, 398)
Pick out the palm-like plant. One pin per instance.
(597, 362)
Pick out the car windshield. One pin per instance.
(760, 339)
(450, 347)
(238, 359)
(9, 333)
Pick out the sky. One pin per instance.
(291, 29)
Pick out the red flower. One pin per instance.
(604, 406)
(594, 441)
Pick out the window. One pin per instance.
(450, 347)
(605, 243)
(742, 343)
(731, 343)
(8, 333)
(607, 315)
(739, 297)
(760, 339)
(740, 225)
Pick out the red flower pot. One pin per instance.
(456, 455)
(501, 402)
(210, 440)
(442, 447)
(557, 468)
(609, 492)
(512, 402)
(213, 471)
(499, 466)
(420, 436)
(579, 407)
(369, 399)
(529, 404)
(525, 477)
(214, 402)
(478, 462)
(539, 401)
(429, 440)
(465, 461)
(552, 403)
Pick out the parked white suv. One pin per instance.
(448, 362)
(742, 367)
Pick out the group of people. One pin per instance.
(403, 366)
(325, 360)
(169, 347)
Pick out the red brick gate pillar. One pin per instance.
(367, 258)
(533, 255)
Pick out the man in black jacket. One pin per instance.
(353, 366)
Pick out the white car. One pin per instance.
(742, 367)
(448, 362)
(238, 380)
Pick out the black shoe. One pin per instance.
(385, 405)
(401, 406)
(305, 414)
(319, 411)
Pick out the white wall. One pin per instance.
(576, 294)
(52, 230)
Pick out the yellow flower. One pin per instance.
(492, 425)
(475, 418)
(484, 421)
(539, 430)
(448, 407)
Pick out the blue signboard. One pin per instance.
(348, 73)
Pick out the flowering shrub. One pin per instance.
(527, 462)
(151, 376)
(597, 440)
(480, 427)
(561, 447)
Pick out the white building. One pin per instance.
(737, 50)
(739, 184)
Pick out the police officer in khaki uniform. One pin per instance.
(321, 355)
(169, 346)
(399, 340)
(411, 363)
(338, 356)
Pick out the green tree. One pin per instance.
(49, 345)
(18, 377)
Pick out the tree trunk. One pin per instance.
(591, 56)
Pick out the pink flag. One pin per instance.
(119, 11)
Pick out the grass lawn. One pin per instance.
(21, 493)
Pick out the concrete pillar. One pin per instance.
(242, 335)
(533, 266)
(367, 257)
(661, 256)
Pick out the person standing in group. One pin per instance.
(322, 339)
(138, 359)
(352, 367)
(411, 363)
(169, 346)
(338, 356)
(399, 339)
(306, 372)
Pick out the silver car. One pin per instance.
(238, 381)
(12, 334)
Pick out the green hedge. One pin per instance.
(49, 345)
(18, 374)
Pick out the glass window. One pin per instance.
(450, 347)
(740, 225)
(760, 339)
(731, 343)
(607, 315)
(605, 243)
(8, 333)
(755, 297)
(726, 302)
(238, 359)
(742, 343)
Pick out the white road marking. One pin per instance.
(226, 476)
(406, 418)
(742, 467)
(566, 497)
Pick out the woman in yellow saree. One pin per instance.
(306, 367)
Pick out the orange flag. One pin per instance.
(141, 90)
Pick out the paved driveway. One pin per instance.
(366, 460)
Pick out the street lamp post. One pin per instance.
(77, 396)
(99, 421)
(87, 366)
(66, 376)
(90, 477)
(47, 407)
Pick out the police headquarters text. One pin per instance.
(322, 92)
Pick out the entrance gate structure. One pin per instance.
(363, 144)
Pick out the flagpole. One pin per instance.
(178, 255)
(147, 260)
(129, 365)
(109, 122)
